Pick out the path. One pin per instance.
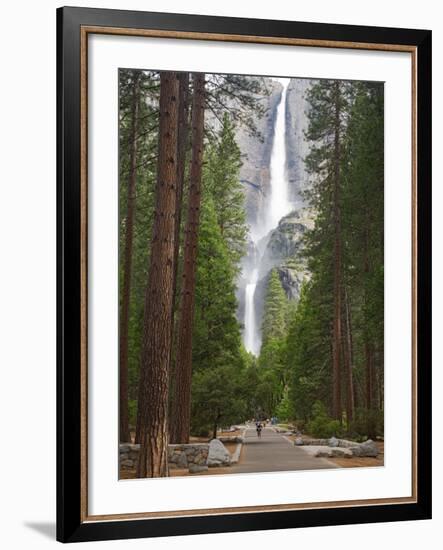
(273, 453)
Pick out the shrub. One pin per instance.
(321, 425)
(300, 425)
(284, 409)
(367, 423)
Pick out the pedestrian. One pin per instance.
(259, 429)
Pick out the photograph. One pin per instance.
(244, 274)
(251, 273)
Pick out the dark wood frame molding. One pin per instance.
(73, 27)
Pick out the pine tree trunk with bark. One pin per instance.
(125, 435)
(182, 146)
(337, 251)
(182, 142)
(368, 348)
(181, 413)
(369, 375)
(348, 359)
(156, 339)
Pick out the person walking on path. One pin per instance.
(259, 429)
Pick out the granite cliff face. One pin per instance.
(256, 151)
(281, 249)
(297, 146)
(283, 252)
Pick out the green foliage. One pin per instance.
(216, 338)
(359, 195)
(322, 425)
(241, 96)
(284, 410)
(221, 180)
(218, 398)
(308, 351)
(220, 389)
(271, 365)
(146, 175)
(275, 308)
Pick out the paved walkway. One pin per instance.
(273, 453)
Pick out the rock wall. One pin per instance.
(180, 456)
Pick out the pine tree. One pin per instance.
(156, 342)
(363, 217)
(275, 308)
(221, 177)
(127, 269)
(308, 354)
(138, 145)
(220, 387)
(329, 102)
(272, 370)
(183, 372)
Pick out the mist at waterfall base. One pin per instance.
(273, 208)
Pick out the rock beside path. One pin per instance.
(368, 448)
(334, 447)
(334, 452)
(218, 454)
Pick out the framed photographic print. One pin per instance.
(244, 271)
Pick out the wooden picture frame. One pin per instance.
(74, 25)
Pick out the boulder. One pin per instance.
(368, 448)
(298, 442)
(346, 443)
(323, 453)
(340, 452)
(182, 461)
(218, 454)
(315, 442)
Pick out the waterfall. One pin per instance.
(275, 206)
(251, 329)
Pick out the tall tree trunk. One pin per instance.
(348, 359)
(336, 337)
(368, 347)
(215, 425)
(380, 378)
(183, 367)
(369, 358)
(156, 340)
(125, 435)
(182, 142)
(182, 145)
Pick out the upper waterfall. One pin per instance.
(275, 206)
